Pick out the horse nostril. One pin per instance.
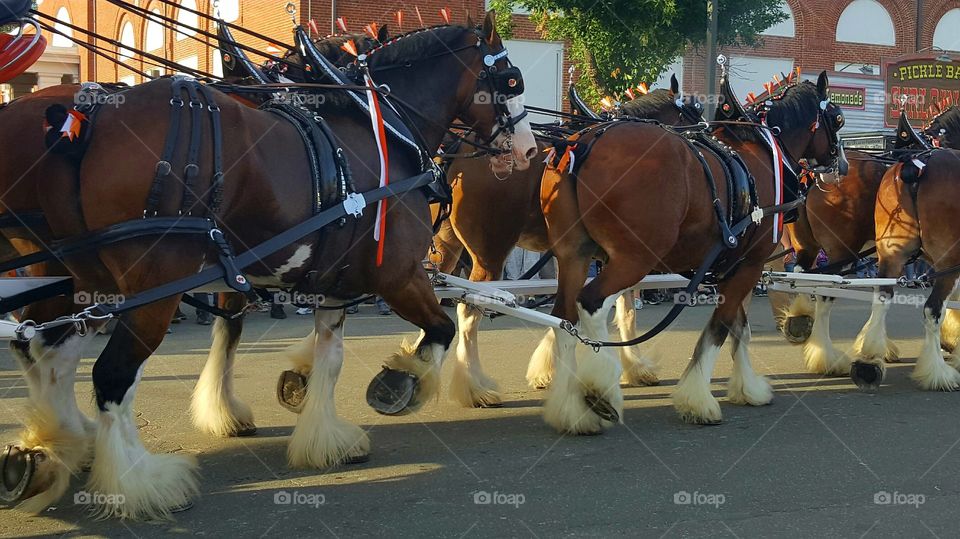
(531, 153)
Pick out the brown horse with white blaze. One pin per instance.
(267, 191)
(640, 201)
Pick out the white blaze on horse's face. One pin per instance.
(524, 145)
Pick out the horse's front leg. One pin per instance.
(321, 438)
(411, 377)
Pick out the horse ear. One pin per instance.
(822, 84)
(674, 84)
(383, 35)
(490, 26)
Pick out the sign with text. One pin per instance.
(923, 81)
(849, 97)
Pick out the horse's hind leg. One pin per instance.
(745, 386)
(819, 353)
(932, 372)
(321, 438)
(416, 366)
(214, 407)
(56, 440)
(638, 368)
(873, 347)
(692, 397)
(594, 401)
(133, 482)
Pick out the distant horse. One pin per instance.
(266, 191)
(641, 201)
(912, 205)
(838, 217)
(913, 212)
(489, 221)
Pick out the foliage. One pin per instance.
(618, 44)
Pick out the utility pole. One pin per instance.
(711, 105)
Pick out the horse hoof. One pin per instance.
(391, 392)
(358, 459)
(797, 329)
(867, 376)
(186, 506)
(602, 408)
(246, 430)
(291, 390)
(17, 467)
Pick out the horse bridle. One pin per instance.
(504, 85)
(761, 108)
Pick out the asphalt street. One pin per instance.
(824, 460)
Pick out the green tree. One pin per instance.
(618, 44)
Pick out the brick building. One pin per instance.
(64, 61)
(851, 39)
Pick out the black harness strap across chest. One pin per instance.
(196, 93)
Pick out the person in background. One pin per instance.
(204, 318)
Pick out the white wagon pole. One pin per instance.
(499, 296)
(836, 286)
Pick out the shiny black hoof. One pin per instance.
(247, 430)
(359, 459)
(17, 467)
(867, 376)
(391, 392)
(797, 329)
(291, 390)
(186, 506)
(602, 408)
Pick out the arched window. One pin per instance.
(188, 20)
(229, 10)
(217, 63)
(866, 21)
(128, 40)
(784, 28)
(154, 39)
(63, 16)
(946, 35)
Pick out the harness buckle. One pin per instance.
(164, 168)
(176, 102)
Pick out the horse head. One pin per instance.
(667, 106)
(807, 123)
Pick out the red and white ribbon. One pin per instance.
(379, 134)
(777, 181)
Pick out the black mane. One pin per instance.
(419, 44)
(648, 105)
(797, 107)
